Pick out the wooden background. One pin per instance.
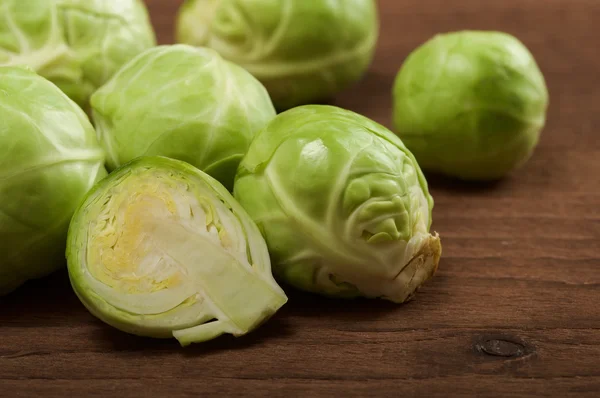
(513, 311)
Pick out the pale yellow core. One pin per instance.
(124, 250)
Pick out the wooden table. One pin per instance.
(514, 310)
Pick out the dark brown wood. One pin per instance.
(514, 310)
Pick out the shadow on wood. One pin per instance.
(457, 186)
(356, 309)
(44, 301)
(116, 340)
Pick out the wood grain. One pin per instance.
(513, 311)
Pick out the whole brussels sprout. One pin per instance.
(302, 51)
(470, 104)
(160, 249)
(185, 103)
(342, 204)
(76, 44)
(49, 159)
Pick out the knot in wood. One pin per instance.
(502, 347)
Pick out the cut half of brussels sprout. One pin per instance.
(161, 249)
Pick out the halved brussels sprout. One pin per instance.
(302, 51)
(49, 159)
(470, 104)
(76, 44)
(185, 103)
(161, 249)
(343, 205)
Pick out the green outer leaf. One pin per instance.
(185, 103)
(343, 205)
(302, 51)
(76, 44)
(49, 158)
(470, 104)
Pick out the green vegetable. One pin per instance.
(77, 44)
(302, 51)
(342, 204)
(470, 104)
(49, 159)
(160, 249)
(185, 103)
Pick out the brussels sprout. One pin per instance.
(342, 204)
(185, 103)
(302, 51)
(470, 104)
(49, 159)
(76, 44)
(160, 249)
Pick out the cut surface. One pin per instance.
(164, 253)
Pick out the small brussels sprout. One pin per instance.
(185, 103)
(161, 249)
(470, 104)
(302, 51)
(342, 204)
(76, 44)
(49, 159)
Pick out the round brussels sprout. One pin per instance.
(76, 44)
(160, 249)
(342, 204)
(185, 103)
(302, 51)
(470, 104)
(49, 159)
